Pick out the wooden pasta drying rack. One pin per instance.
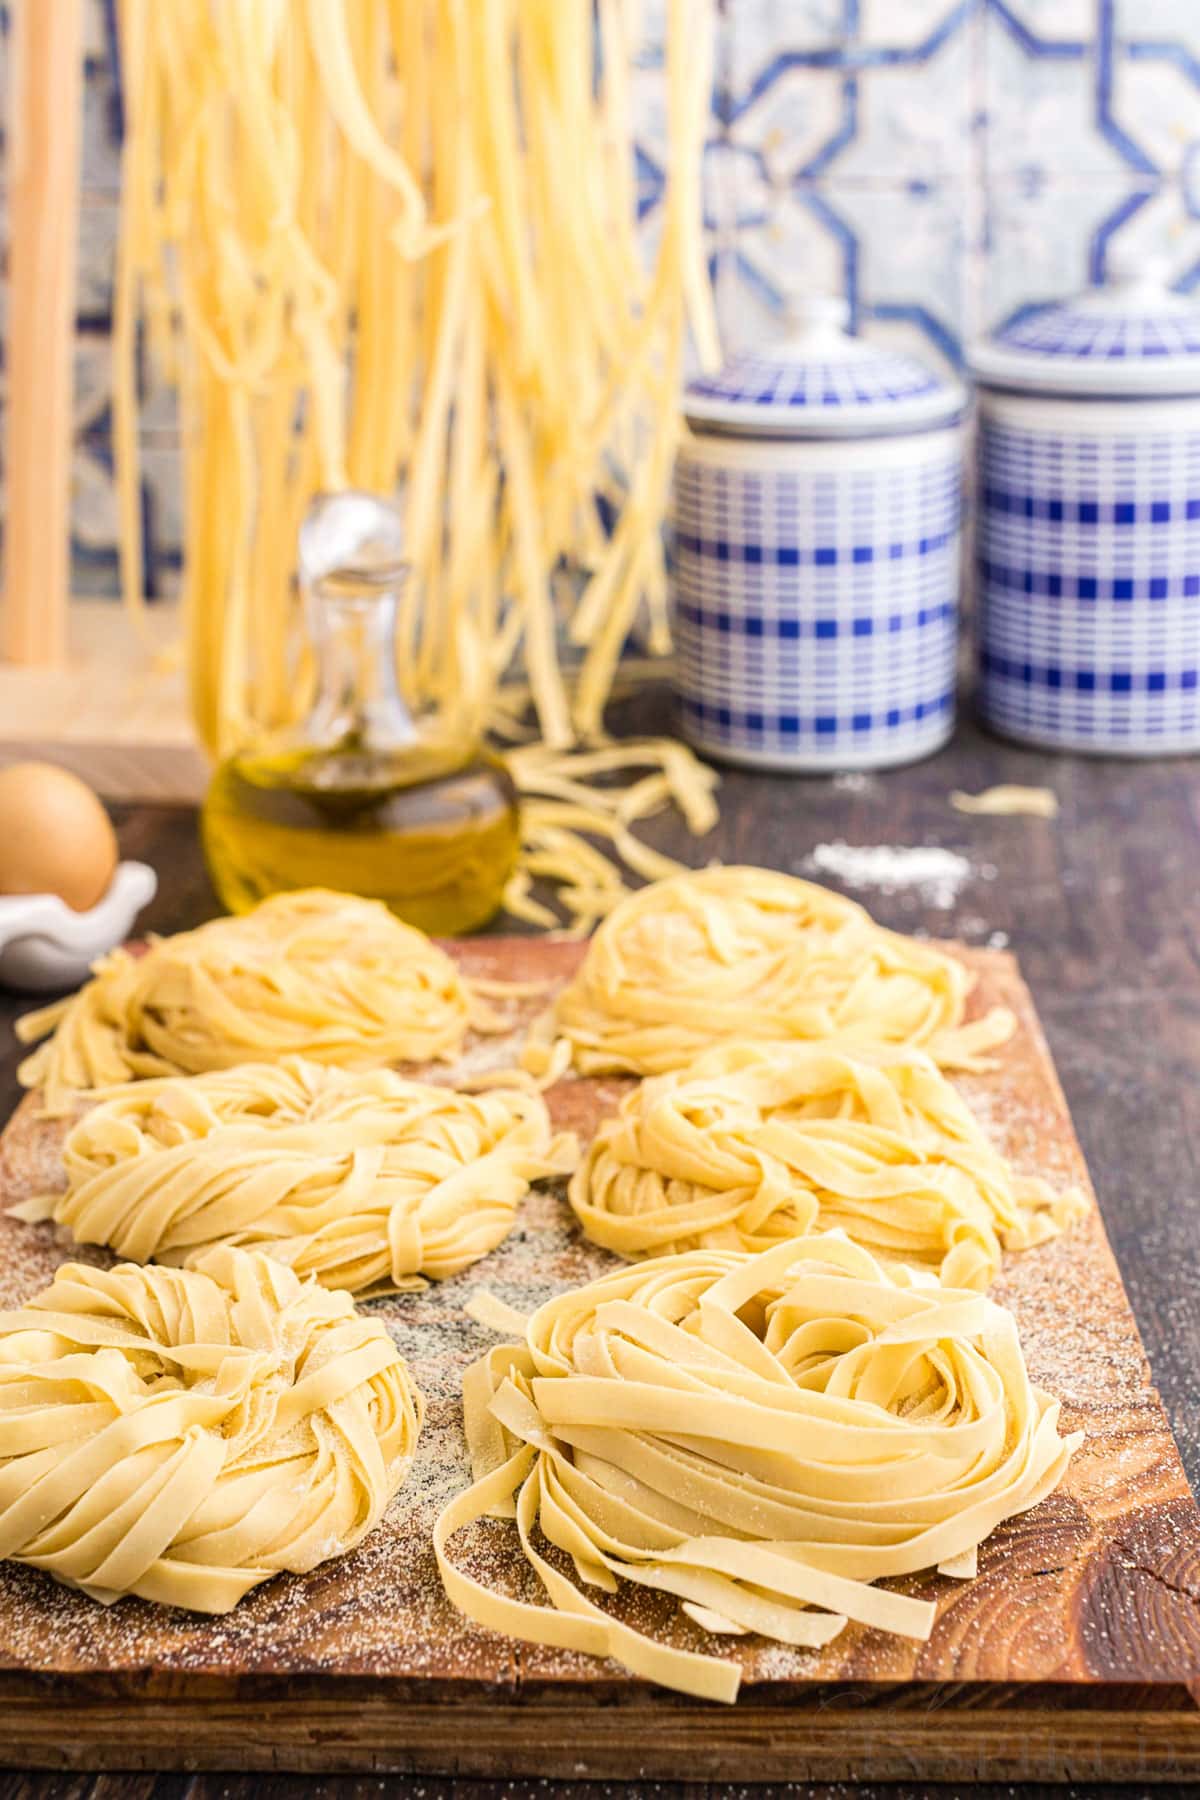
(77, 686)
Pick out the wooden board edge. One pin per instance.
(629, 1740)
(186, 1719)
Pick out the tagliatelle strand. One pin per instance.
(754, 1145)
(185, 1434)
(761, 1437)
(748, 955)
(363, 1179)
(396, 244)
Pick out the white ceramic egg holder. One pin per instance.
(45, 945)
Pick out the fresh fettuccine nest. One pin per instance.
(762, 1437)
(744, 954)
(365, 1180)
(753, 1145)
(186, 1434)
(319, 974)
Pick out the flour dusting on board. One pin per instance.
(381, 1610)
(938, 876)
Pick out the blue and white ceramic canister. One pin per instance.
(1089, 522)
(816, 553)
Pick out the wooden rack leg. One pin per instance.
(43, 180)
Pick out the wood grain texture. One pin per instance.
(109, 711)
(1075, 1653)
(1100, 903)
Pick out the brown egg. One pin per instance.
(55, 836)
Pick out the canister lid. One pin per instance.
(818, 381)
(1131, 338)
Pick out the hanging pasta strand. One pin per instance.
(393, 243)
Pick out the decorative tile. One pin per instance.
(99, 220)
(795, 242)
(1040, 240)
(898, 253)
(162, 475)
(918, 26)
(93, 386)
(941, 162)
(908, 265)
(795, 124)
(1041, 106)
(889, 93)
(759, 34)
(93, 502)
(1163, 22)
(158, 412)
(1045, 24)
(1159, 225)
(912, 119)
(101, 152)
(1156, 79)
(1051, 240)
(94, 573)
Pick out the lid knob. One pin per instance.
(814, 325)
(804, 310)
(1124, 268)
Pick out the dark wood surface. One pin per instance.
(1101, 907)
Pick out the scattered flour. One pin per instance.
(975, 930)
(938, 875)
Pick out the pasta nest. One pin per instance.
(363, 1179)
(744, 954)
(757, 1144)
(318, 974)
(762, 1437)
(184, 1434)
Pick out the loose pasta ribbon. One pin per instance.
(762, 1437)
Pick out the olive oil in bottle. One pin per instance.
(360, 798)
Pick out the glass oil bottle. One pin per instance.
(361, 797)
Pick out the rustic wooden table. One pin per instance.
(1102, 907)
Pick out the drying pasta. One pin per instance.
(752, 1146)
(365, 1180)
(1008, 798)
(744, 954)
(186, 1434)
(761, 1437)
(318, 974)
(394, 245)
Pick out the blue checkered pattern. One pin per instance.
(815, 613)
(1072, 331)
(1089, 583)
(879, 380)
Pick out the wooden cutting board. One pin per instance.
(1074, 1654)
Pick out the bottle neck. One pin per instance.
(358, 697)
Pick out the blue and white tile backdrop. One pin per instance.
(943, 163)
